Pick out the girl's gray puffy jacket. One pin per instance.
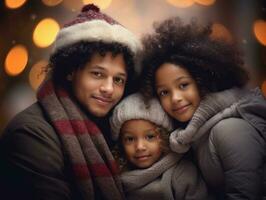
(228, 136)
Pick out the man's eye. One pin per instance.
(97, 74)
(119, 80)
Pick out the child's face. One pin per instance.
(141, 142)
(177, 91)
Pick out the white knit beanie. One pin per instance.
(93, 25)
(133, 107)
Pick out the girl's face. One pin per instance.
(141, 142)
(177, 91)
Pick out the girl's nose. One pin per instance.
(176, 97)
(140, 145)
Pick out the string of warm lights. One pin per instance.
(17, 58)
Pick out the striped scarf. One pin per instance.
(92, 163)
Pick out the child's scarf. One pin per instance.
(92, 163)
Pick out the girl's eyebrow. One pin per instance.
(177, 79)
(129, 132)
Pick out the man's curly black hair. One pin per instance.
(73, 57)
(215, 64)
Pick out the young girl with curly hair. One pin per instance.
(199, 82)
(149, 169)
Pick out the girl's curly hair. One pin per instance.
(215, 64)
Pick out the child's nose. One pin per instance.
(176, 96)
(140, 145)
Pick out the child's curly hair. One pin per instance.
(215, 64)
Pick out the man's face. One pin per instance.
(101, 83)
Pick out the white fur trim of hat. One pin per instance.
(92, 25)
(133, 107)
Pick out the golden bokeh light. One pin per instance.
(205, 2)
(37, 74)
(73, 5)
(181, 3)
(219, 31)
(263, 88)
(16, 60)
(103, 4)
(51, 2)
(45, 32)
(259, 29)
(14, 4)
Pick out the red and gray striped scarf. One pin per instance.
(92, 162)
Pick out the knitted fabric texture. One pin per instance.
(224, 103)
(91, 160)
(93, 26)
(135, 179)
(133, 107)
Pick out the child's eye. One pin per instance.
(128, 139)
(119, 80)
(183, 85)
(151, 136)
(162, 93)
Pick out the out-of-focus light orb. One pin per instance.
(45, 32)
(74, 6)
(219, 31)
(18, 97)
(102, 4)
(263, 88)
(259, 28)
(16, 60)
(37, 74)
(51, 2)
(14, 4)
(181, 3)
(205, 2)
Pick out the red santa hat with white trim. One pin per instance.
(92, 25)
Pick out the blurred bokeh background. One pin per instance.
(29, 27)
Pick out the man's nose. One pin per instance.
(107, 86)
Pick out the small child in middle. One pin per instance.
(151, 170)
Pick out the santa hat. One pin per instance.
(133, 107)
(93, 26)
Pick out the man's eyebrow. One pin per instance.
(104, 69)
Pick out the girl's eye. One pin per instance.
(119, 81)
(163, 93)
(97, 74)
(128, 139)
(151, 136)
(183, 85)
